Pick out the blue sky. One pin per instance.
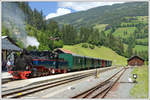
(47, 7)
(54, 9)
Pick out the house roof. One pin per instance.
(135, 57)
(64, 51)
(9, 44)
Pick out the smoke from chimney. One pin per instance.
(14, 20)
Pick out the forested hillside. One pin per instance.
(121, 27)
(104, 14)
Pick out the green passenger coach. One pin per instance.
(77, 62)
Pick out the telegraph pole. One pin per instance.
(53, 39)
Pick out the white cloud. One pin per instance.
(79, 6)
(59, 12)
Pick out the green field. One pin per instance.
(140, 48)
(140, 90)
(108, 31)
(120, 32)
(144, 40)
(99, 52)
(125, 23)
(143, 19)
(125, 47)
(100, 27)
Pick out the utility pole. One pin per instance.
(53, 39)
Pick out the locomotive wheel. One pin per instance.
(64, 71)
(39, 74)
(47, 73)
(34, 74)
(44, 73)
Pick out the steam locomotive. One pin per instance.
(46, 63)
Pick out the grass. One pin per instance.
(127, 23)
(140, 90)
(140, 48)
(125, 47)
(100, 27)
(143, 19)
(98, 52)
(120, 32)
(144, 40)
(79, 20)
(108, 31)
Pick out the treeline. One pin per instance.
(140, 32)
(105, 14)
(51, 35)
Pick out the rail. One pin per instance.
(101, 90)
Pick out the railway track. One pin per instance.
(7, 80)
(37, 88)
(34, 89)
(101, 90)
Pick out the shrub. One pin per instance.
(58, 44)
(91, 46)
(84, 45)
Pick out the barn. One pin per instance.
(135, 61)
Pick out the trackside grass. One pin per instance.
(140, 90)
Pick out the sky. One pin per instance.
(55, 9)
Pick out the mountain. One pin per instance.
(127, 22)
(104, 14)
(120, 27)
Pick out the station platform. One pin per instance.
(5, 75)
(34, 81)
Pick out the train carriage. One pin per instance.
(77, 62)
(44, 64)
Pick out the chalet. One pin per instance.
(135, 61)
